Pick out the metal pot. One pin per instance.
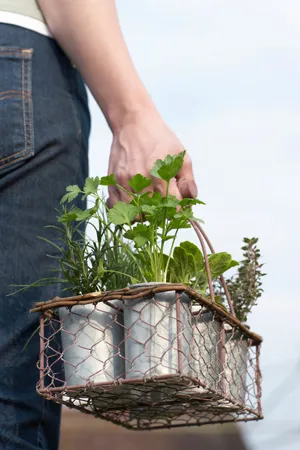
(205, 355)
(153, 346)
(92, 340)
(236, 361)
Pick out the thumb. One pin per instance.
(185, 180)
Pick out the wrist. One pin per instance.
(121, 113)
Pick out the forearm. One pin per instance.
(89, 32)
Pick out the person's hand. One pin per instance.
(136, 146)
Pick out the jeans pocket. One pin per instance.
(16, 116)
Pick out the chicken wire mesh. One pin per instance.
(148, 357)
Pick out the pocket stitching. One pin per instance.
(14, 92)
(23, 96)
(23, 103)
(29, 107)
(9, 53)
(13, 96)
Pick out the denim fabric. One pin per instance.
(44, 130)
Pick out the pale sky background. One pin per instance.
(225, 74)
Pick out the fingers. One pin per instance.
(173, 190)
(185, 180)
(116, 194)
(160, 186)
(187, 188)
(183, 187)
(113, 197)
(180, 188)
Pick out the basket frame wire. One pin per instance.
(48, 310)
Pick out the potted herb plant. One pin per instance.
(92, 335)
(245, 288)
(150, 347)
(144, 252)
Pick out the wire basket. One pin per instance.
(150, 356)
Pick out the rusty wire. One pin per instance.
(150, 357)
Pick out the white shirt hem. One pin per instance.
(25, 21)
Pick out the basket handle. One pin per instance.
(202, 236)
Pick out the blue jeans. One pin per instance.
(44, 130)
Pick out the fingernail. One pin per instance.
(193, 189)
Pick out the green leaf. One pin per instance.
(178, 224)
(172, 277)
(140, 241)
(166, 238)
(156, 199)
(180, 256)
(220, 263)
(170, 202)
(190, 202)
(139, 230)
(151, 200)
(182, 266)
(72, 193)
(170, 213)
(201, 281)
(67, 216)
(123, 213)
(84, 214)
(233, 264)
(91, 185)
(100, 269)
(156, 167)
(184, 214)
(148, 209)
(51, 243)
(169, 167)
(109, 180)
(193, 250)
(139, 182)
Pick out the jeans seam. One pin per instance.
(13, 96)
(23, 102)
(25, 95)
(29, 101)
(77, 121)
(15, 92)
(75, 110)
(24, 122)
(13, 156)
(10, 53)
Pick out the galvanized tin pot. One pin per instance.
(92, 343)
(236, 362)
(205, 355)
(153, 346)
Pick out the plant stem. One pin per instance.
(125, 247)
(122, 273)
(33, 334)
(170, 255)
(164, 229)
